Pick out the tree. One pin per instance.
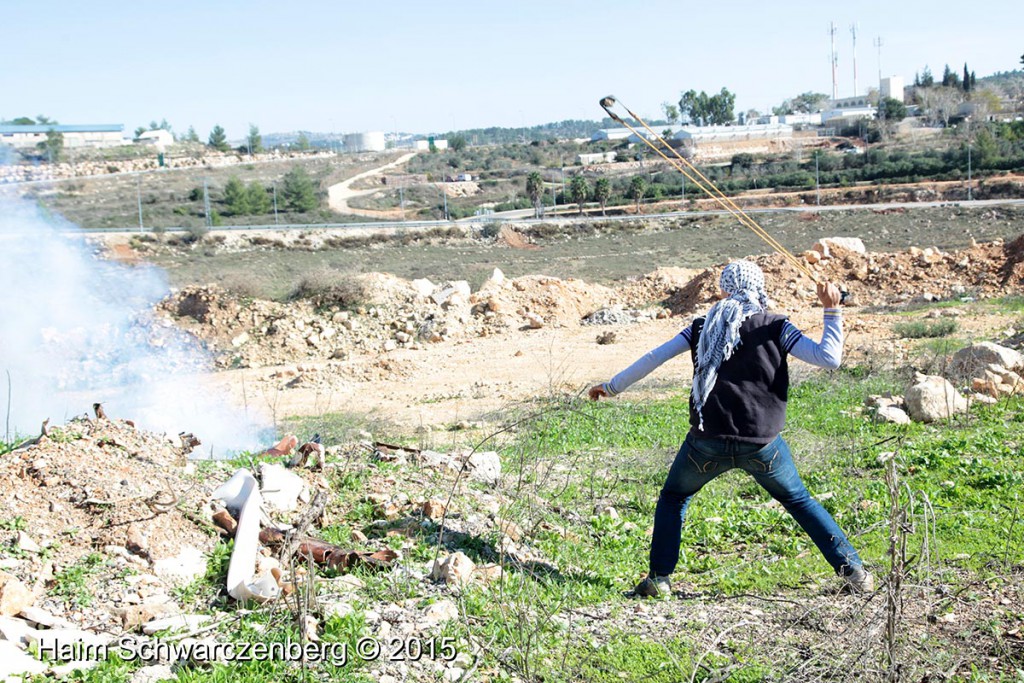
(940, 104)
(302, 142)
(23, 121)
(708, 110)
(892, 110)
(949, 78)
(671, 112)
(218, 140)
(457, 143)
(927, 80)
(579, 190)
(535, 190)
(53, 145)
(298, 191)
(602, 192)
(967, 79)
(191, 135)
(255, 140)
(259, 200)
(236, 199)
(139, 131)
(637, 190)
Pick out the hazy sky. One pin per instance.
(421, 66)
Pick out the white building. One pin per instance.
(27, 137)
(160, 138)
(813, 119)
(892, 87)
(595, 158)
(610, 134)
(704, 134)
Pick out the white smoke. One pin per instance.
(76, 329)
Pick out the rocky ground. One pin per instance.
(109, 530)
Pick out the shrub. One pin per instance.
(325, 287)
(920, 329)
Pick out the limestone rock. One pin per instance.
(14, 595)
(534, 321)
(933, 398)
(892, 414)
(812, 256)
(972, 360)
(15, 664)
(153, 674)
(854, 244)
(433, 509)
(455, 570)
(485, 466)
(440, 612)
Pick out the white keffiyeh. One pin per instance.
(743, 281)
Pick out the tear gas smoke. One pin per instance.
(76, 329)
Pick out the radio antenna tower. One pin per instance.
(853, 32)
(878, 44)
(834, 59)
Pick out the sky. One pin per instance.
(430, 67)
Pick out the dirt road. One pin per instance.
(338, 195)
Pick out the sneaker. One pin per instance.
(860, 581)
(654, 586)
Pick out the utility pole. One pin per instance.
(206, 204)
(817, 181)
(138, 194)
(274, 186)
(401, 199)
(969, 192)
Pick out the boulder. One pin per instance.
(972, 360)
(15, 664)
(933, 398)
(455, 570)
(854, 244)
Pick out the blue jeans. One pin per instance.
(700, 460)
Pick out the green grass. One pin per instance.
(72, 583)
(734, 543)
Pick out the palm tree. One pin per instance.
(579, 190)
(602, 191)
(637, 190)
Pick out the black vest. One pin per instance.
(748, 401)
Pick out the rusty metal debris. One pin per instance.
(329, 555)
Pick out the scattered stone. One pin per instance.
(178, 622)
(891, 414)
(15, 596)
(933, 398)
(440, 612)
(485, 466)
(433, 509)
(534, 321)
(509, 528)
(27, 544)
(15, 664)
(153, 674)
(183, 568)
(454, 570)
(812, 256)
(14, 630)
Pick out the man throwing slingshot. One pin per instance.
(737, 411)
